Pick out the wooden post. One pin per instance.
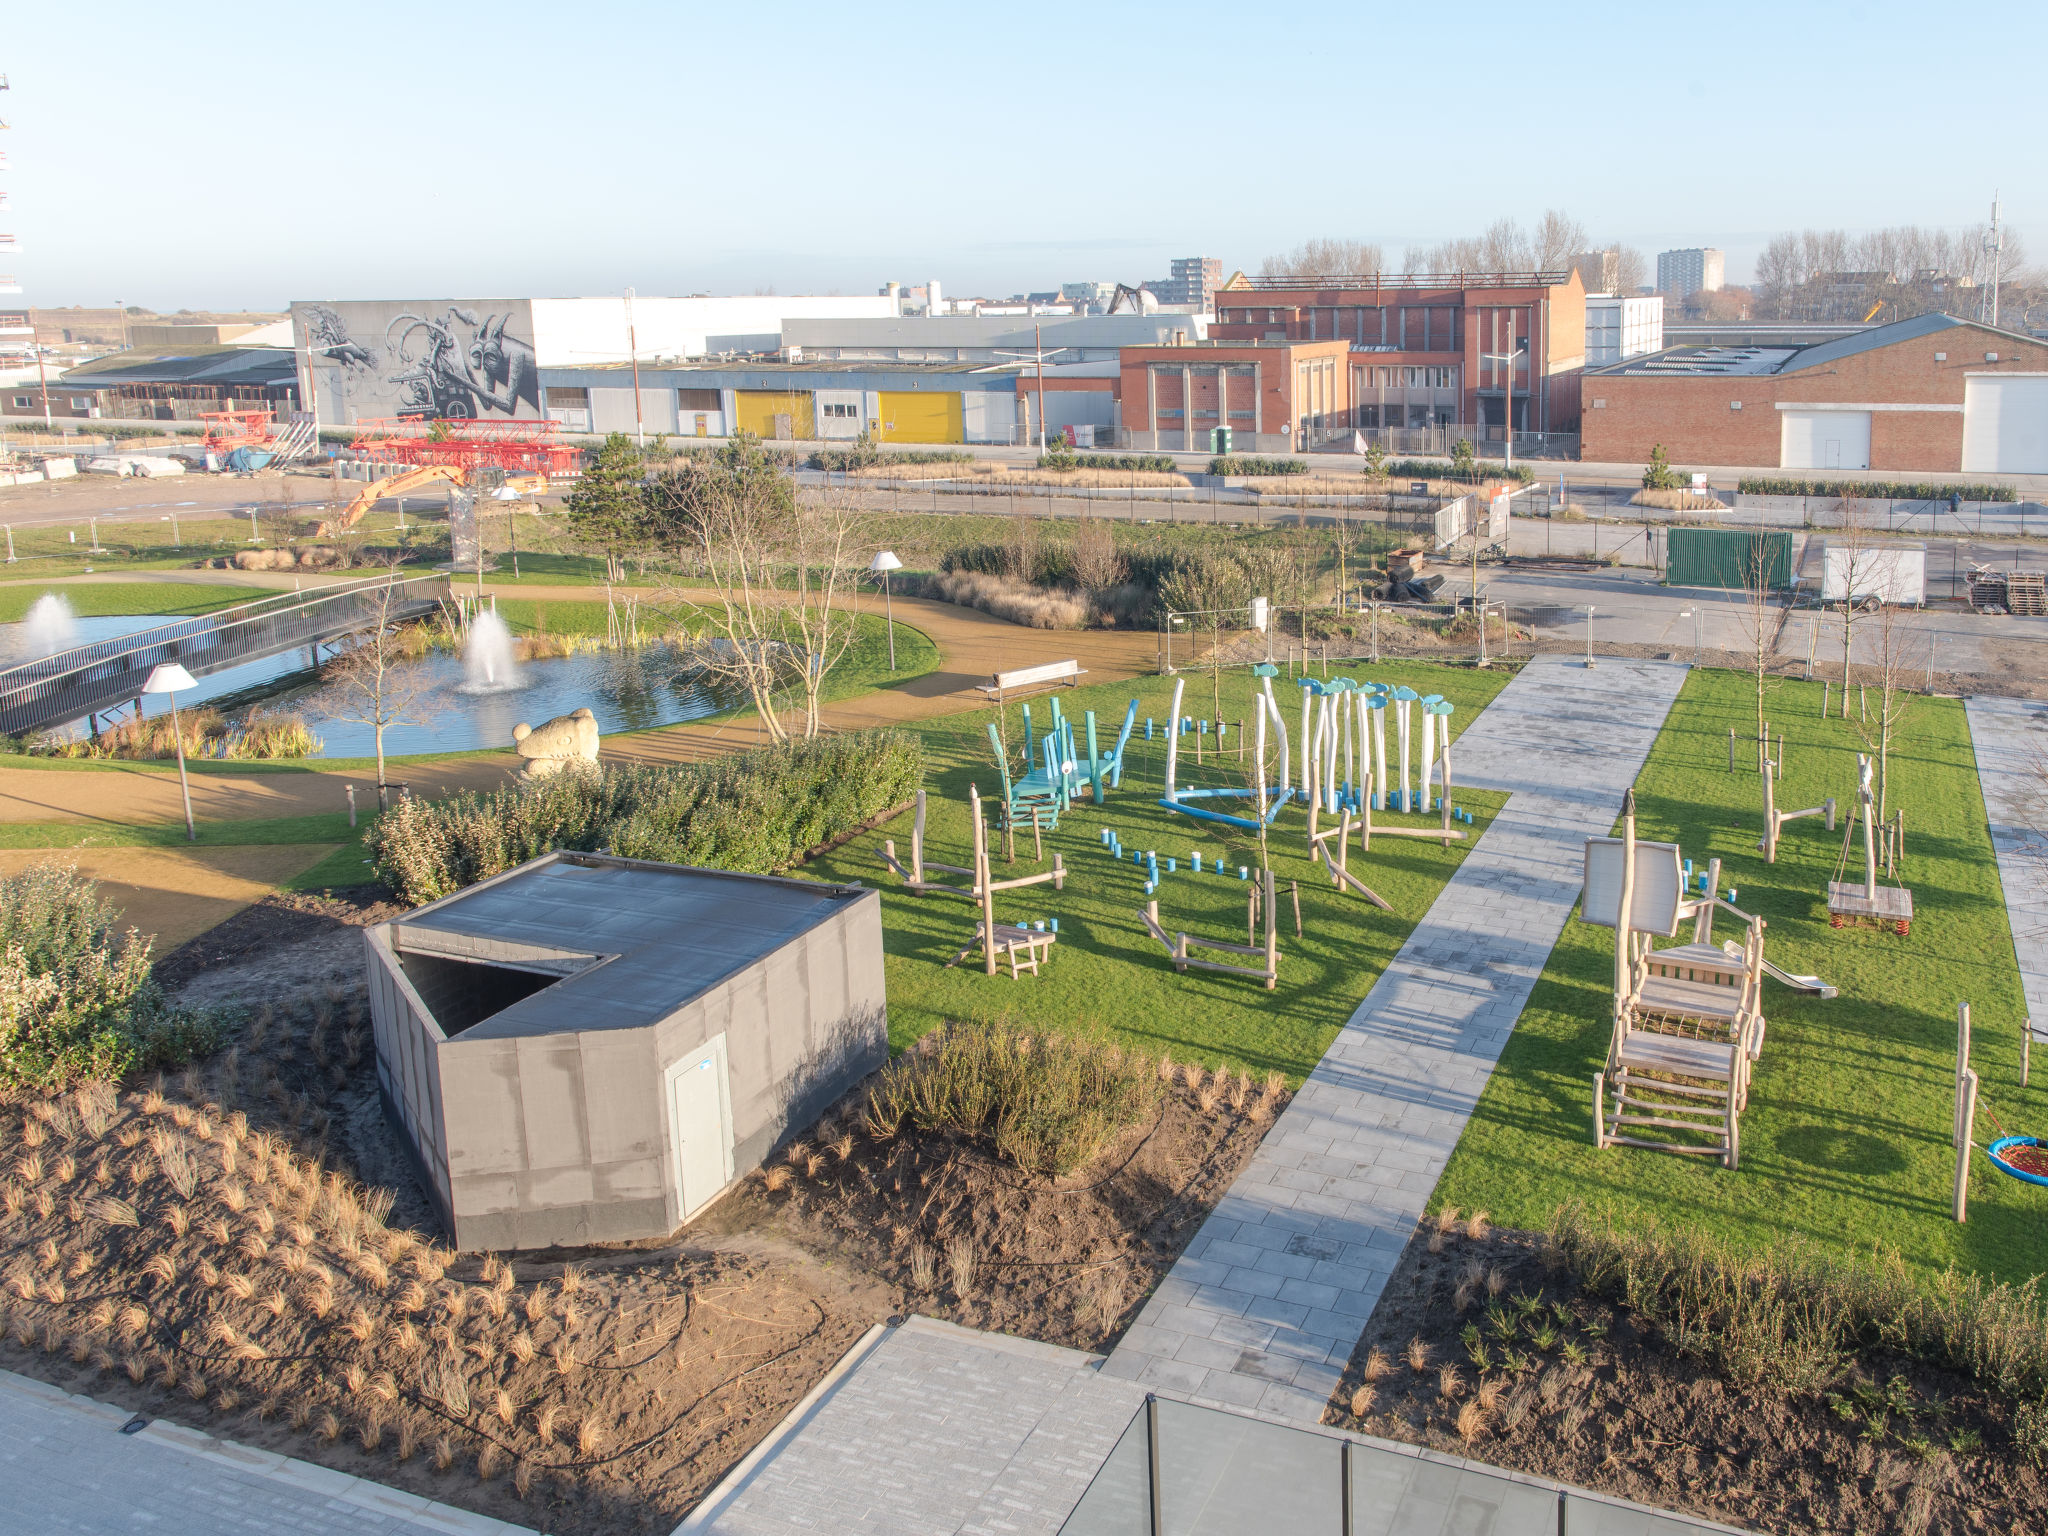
(1770, 822)
(1966, 1117)
(1731, 749)
(1826, 693)
(1037, 842)
(984, 880)
(1599, 1111)
(917, 842)
(2026, 1047)
(1251, 916)
(1272, 934)
(1294, 886)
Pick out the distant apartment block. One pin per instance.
(1680, 274)
(1190, 280)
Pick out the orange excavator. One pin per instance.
(412, 480)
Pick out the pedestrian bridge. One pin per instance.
(87, 679)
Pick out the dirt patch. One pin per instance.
(1513, 1365)
(278, 947)
(173, 894)
(957, 1232)
(244, 1248)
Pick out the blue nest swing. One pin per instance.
(2006, 1144)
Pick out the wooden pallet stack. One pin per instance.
(2026, 593)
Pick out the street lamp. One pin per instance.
(1589, 637)
(1507, 361)
(1694, 615)
(881, 566)
(167, 678)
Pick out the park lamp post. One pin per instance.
(881, 566)
(1506, 360)
(1589, 637)
(167, 678)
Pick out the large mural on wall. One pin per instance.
(469, 359)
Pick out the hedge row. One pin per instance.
(1900, 490)
(1426, 469)
(1146, 463)
(843, 459)
(755, 812)
(1246, 464)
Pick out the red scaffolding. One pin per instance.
(518, 447)
(237, 429)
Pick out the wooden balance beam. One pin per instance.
(1178, 945)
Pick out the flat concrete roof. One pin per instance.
(658, 935)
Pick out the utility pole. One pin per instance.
(121, 309)
(633, 346)
(1994, 243)
(1038, 346)
(43, 378)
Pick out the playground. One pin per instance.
(1846, 1139)
(1105, 969)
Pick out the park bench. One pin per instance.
(1048, 674)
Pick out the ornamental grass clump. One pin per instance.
(77, 1002)
(1051, 1102)
(754, 811)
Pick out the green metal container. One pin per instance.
(1727, 557)
(1219, 440)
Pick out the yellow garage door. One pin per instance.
(773, 414)
(921, 417)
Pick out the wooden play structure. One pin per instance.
(1057, 773)
(1023, 947)
(1178, 945)
(1775, 819)
(1688, 1023)
(1850, 900)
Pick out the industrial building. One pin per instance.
(1619, 327)
(1681, 274)
(1276, 396)
(1930, 394)
(365, 360)
(984, 339)
(167, 384)
(592, 1049)
(1441, 350)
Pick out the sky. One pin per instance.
(173, 159)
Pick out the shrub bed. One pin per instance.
(1247, 464)
(1143, 463)
(1424, 469)
(1900, 490)
(756, 812)
(844, 459)
(1050, 1102)
(76, 1003)
(1009, 597)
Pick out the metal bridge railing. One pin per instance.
(52, 690)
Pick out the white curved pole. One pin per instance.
(1307, 747)
(1379, 755)
(1402, 730)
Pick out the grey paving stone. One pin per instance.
(1362, 1145)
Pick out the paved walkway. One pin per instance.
(1265, 1305)
(66, 1467)
(2011, 741)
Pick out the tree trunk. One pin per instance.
(383, 793)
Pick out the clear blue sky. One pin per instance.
(172, 156)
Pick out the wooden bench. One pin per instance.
(1048, 674)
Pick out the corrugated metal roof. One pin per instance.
(247, 367)
(1823, 353)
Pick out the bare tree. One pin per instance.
(1853, 556)
(1631, 269)
(1097, 563)
(375, 681)
(1326, 256)
(1761, 619)
(825, 547)
(1558, 237)
(1902, 648)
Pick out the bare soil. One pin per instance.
(244, 1248)
(957, 1232)
(1573, 1388)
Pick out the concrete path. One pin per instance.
(932, 1430)
(2011, 741)
(67, 1468)
(1264, 1307)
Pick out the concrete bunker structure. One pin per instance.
(592, 1049)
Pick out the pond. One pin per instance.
(625, 690)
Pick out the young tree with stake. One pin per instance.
(375, 682)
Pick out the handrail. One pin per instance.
(81, 656)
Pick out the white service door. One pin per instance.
(700, 1125)
(2005, 425)
(1824, 440)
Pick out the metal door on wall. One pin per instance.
(700, 1126)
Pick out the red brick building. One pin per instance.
(1417, 347)
(1275, 396)
(1929, 394)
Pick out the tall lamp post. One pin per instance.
(881, 566)
(167, 678)
(1506, 361)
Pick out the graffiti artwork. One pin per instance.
(464, 359)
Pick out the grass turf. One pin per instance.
(104, 599)
(1846, 1139)
(1105, 969)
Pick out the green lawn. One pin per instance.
(1106, 970)
(1845, 1142)
(104, 599)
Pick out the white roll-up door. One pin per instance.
(1824, 440)
(2005, 425)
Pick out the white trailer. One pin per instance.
(1894, 574)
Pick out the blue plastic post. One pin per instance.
(1053, 923)
(1198, 863)
(1173, 866)
(1244, 872)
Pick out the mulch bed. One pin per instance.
(1578, 1390)
(959, 1233)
